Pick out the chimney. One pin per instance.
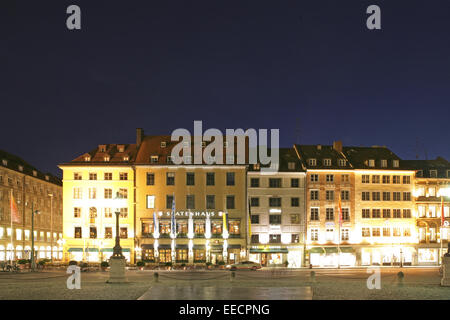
(337, 145)
(139, 136)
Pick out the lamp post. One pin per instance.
(51, 225)
(117, 261)
(117, 251)
(33, 260)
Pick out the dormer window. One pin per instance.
(291, 165)
(126, 158)
(225, 144)
(102, 148)
(5, 162)
(312, 162)
(154, 159)
(106, 158)
(20, 168)
(121, 148)
(163, 144)
(327, 162)
(371, 163)
(87, 158)
(448, 173)
(34, 173)
(342, 162)
(433, 173)
(395, 163)
(419, 173)
(384, 163)
(256, 166)
(47, 178)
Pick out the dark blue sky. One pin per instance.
(160, 65)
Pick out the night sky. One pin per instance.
(310, 68)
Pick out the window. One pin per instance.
(123, 176)
(375, 196)
(210, 201)
(342, 162)
(386, 196)
(345, 195)
(295, 218)
(329, 195)
(275, 219)
(77, 212)
(199, 228)
(108, 232)
(235, 227)
(77, 233)
(329, 234)
(254, 182)
(169, 200)
(376, 213)
(291, 165)
(230, 202)
(163, 144)
(216, 227)
(383, 163)
(375, 179)
(295, 238)
(396, 196)
(365, 178)
(150, 202)
(124, 233)
(330, 178)
(448, 173)
(397, 213)
(108, 213)
(255, 238)
(345, 178)
(395, 163)
(345, 234)
(254, 202)
(407, 213)
(365, 213)
(108, 193)
(275, 202)
(274, 238)
(295, 202)
(419, 173)
(77, 176)
(312, 162)
(93, 232)
(254, 219)
(170, 178)
(154, 159)
(386, 179)
(329, 214)
(407, 232)
(396, 179)
(386, 213)
(190, 201)
(371, 163)
(314, 178)
(150, 179)
(314, 234)
(190, 178)
(210, 179)
(108, 176)
(314, 194)
(274, 183)
(376, 232)
(365, 232)
(122, 193)
(314, 214)
(123, 213)
(230, 178)
(295, 183)
(327, 162)
(396, 232)
(433, 173)
(92, 193)
(345, 214)
(92, 176)
(386, 232)
(406, 196)
(77, 193)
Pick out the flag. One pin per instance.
(340, 212)
(14, 211)
(173, 226)
(225, 222)
(249, 219)
(154, 222)
(442, 212)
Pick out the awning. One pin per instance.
(112, 250)
(347, 249)
(164, 246)
(199, 247)
(75, 250)
(147, 246)
(234, 246)
(329, 250)
(269, 250)
(317, 250)
(91, 249)
(182, 246)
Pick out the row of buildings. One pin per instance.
(390, 208)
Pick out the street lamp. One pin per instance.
(33, 260)
(117, 261)
(51, 225)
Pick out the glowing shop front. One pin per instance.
(332, 256)
(276, 256)
(94, 254)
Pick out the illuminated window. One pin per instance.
(365, 178)
(77, 232)
(365, 232)
(395, 163)
(108, 176)
(108, 213)
(77, 212)
(329, 214)
(314, 214)
(108, 233)
(165, 255)
(77, 176)
(376, 232)
(314, 178)
(122, 193)
(235, 227)
(182, 255)
(329, 234)
(199, 228)
(312, 162)
(123, 176)
(327, 162)
(406, 232)
(371, 163)
(396, 232)
(345, 234)
(77, 192)
(124, 212)
(164, 227)
(342, 162)
(92, 193)
(314, 234)
(18, 234)
(93, 232)
(199, 255)
(108, 193)
(182, 228)
(123, 232)
(386, 232)
(421, 211)
(383, 163)
(216, 226)
(150, 202)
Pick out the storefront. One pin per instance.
(269, 256)
(387, 256)
(332, 256)
(234, 253)
(94, 255)
(428, 256)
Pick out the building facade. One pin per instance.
(97, 185)
(277, 204)
(31, 190)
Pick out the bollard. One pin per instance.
(400, 276)
(312, 276)
(155, 276)
(232, 275)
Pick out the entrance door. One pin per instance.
(264, 259)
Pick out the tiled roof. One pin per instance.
(441, 165)
(16, 163)
(286, 156)
(321, 153)
(111, 154)
(359, 157)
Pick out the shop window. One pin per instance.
(148, 255)
(182, 228)
(181, 255)
(216, 227)
(235, 227)
(165, 255)
(199, 255)
(199, 228)
(164, 227)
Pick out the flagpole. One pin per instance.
(339, 233)
(12, 237)
(442, 227)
